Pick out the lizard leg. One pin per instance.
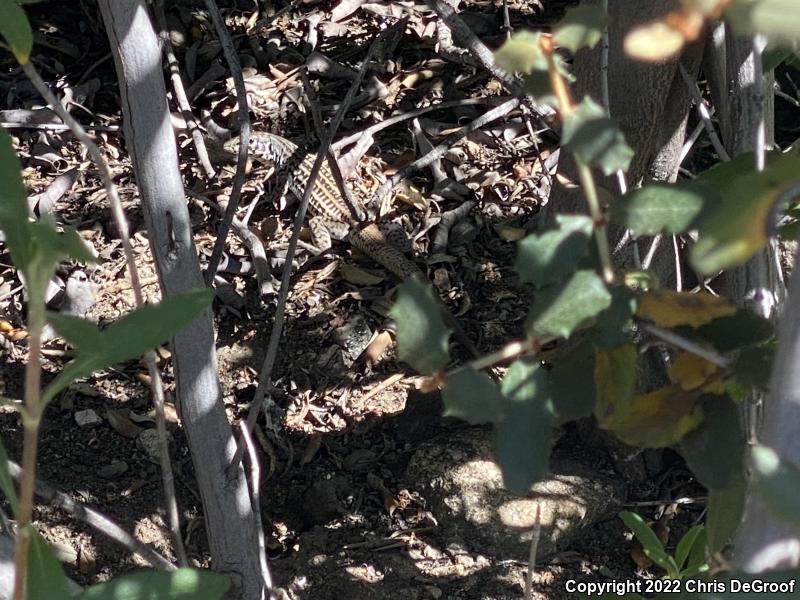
(320, 236)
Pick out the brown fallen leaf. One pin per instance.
(381, 342)
(121, 423)
(508, 233)
(311, 449)
(354, 275)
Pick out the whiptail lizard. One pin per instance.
(331, 216)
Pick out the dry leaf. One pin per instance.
(655, 420)
(670, 309)
(358, 276)
(508, 233)
(311, 449)
(381, 341)
(411, 195)
(119, 421)
(691, 372)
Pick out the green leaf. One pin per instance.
(524, 437)
(697, 562)
(715, 450)
(573, 392)
(725, 510)
(521, 53)
(421, 332)
(687, 543)
(544, 258)
(777, 482)
(663, 208)
(595, 138)
(778, 19)
(140, 330)
(16, 29)
(772, 57)
(739, 227)
(743, 328)
(581, 27)
(45, 580)
(537, 84)
(614, 325)
(82, 334)
(561, 309)
(13, 205)
(183, 584)
(651, 545)
(6, 481)
(753, 365)
(36, 248)
(472, 396)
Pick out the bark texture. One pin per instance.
(229, 516)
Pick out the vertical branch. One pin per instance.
(244, 139)
(118, 215)
(566, 107)
(32, 417)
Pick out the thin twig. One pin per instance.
(251, 241)
(261, 397)
(180, 92)
(760, 134)
(57, 126)
(244, 138)
(683, 343)
(705, 117)
(255, 499)
(692, 139)
(95, 520)
(566, 106)
(536, 534)
(440, 150)
(333, 163)
(121, 223)
(405, 116)
(467, 38)
(678, 270)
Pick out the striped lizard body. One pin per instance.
(331, 217)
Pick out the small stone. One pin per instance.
(115, 469)
(147, 442)
(318, 560)
(434, 591)
(87, 418)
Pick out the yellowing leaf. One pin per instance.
(741, 224)
(691, 372)
(667, 308)
(655, 420)
(615, 377)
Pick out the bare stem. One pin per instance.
(32, 417)
(118, 215)
(566, 107)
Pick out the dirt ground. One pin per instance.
(340, 520)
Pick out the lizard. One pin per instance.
(331, 217)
